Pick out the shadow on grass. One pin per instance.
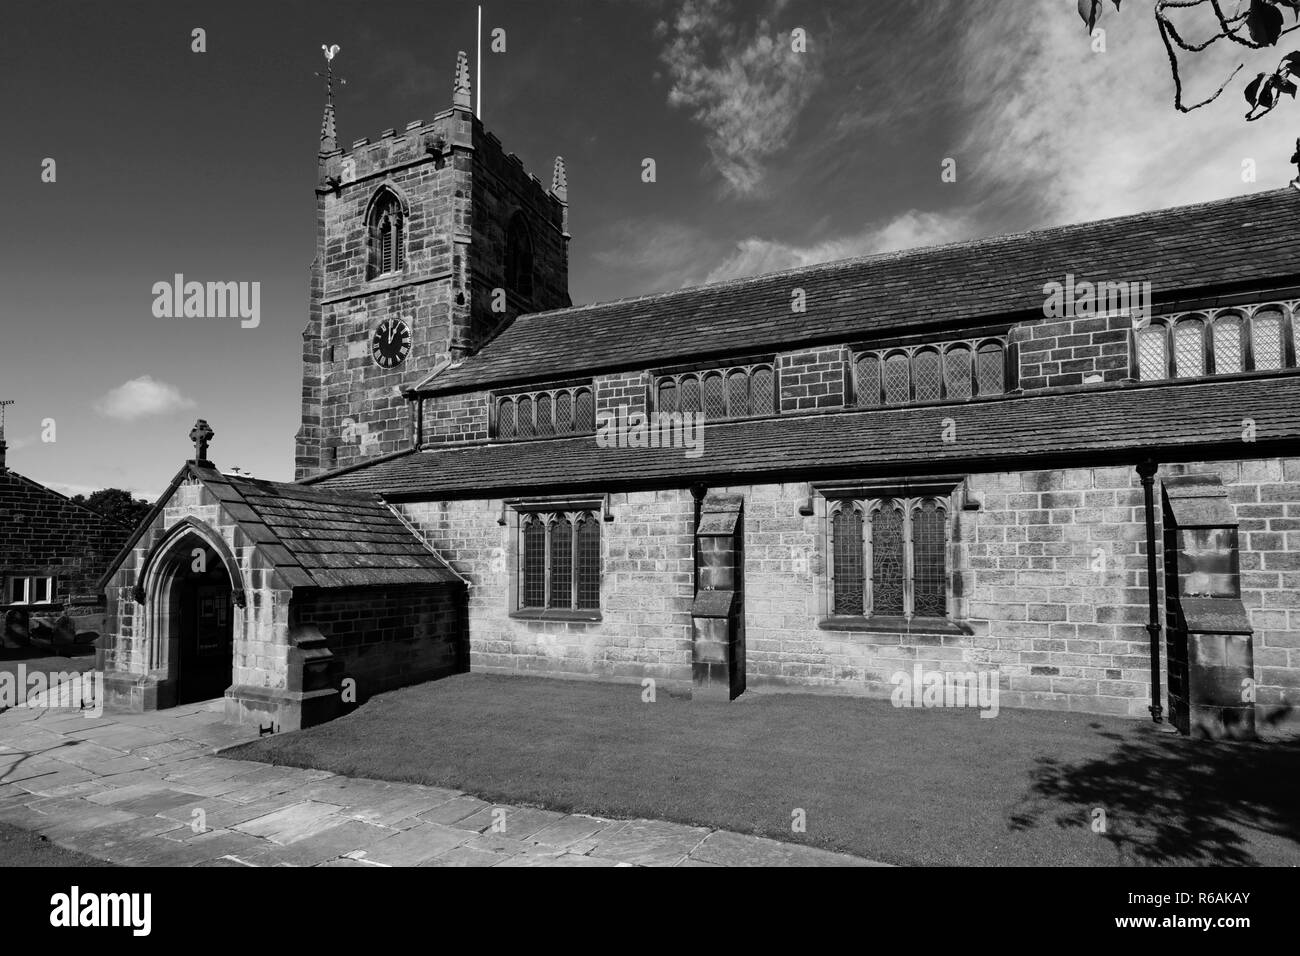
(1165, 799)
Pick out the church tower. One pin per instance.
(429, 242)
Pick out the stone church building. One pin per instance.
(1068, 458)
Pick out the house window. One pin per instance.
(545, 414)
(889, 557)
(33, 590)
(386, 225)
(1195, 344)
(947, 371)
(559, 561)
(739, 392)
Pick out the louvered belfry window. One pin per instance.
(889, 557)
(386, 227)
(559, 561)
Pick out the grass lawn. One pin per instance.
(897, 785)
(20, 847)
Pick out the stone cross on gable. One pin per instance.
(201, 434)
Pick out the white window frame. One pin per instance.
(28, 583)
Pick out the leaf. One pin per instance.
(1268, 93)
(1291, 62)
(1264, 22)
(1252, 90)
(1286, 86)
(1090, 11)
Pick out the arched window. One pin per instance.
(887, 561)
(588, 563)
(524, 418)
(866, 380)
(848, 579)
(738, 395)
(689, 400)
(990, 368)
(561, 562)
(519, 257)
(715, 397)
(1189, 348)
(1266, 339)
(925, 375)
(534, 562)
(506, 419)
(545, 426)
(1228, 352)
(386, 225)
(929, 567)
(584, 413)
(897, 379)
(762, 391)
(667, 400)
(956, 372)
(1152, 352)
(563, 413)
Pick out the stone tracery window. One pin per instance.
(889, 557)
(519, 257)
(559, 561)
(544, 413)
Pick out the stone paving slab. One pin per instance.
(127, 788)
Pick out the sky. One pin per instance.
(172, 161)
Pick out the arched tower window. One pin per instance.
(386, 225)
(519, 257)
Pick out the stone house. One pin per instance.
(1069, 458)
(52, 553)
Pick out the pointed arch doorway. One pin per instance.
(193, 616)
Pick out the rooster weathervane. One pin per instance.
(330, 51)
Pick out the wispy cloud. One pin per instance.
(141, 398)
(744, 84)
(910, 230)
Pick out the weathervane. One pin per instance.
(330, 52)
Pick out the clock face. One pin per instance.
(390, 343)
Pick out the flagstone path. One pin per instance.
(149, 790)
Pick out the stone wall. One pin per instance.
(390, 637)
(1049, 579)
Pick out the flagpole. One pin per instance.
(478, 56)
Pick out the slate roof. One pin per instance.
(315, 537)
(1165, 420)
(1204, 248)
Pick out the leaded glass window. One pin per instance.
(545, 425)
(889, 558)
(1189, 348)
(763, 391)
(990, 369)
(849, 581)
(957, 372)
(887, 561)
(1266, 339)
(588, 565)
(533, 560)
(715, 398)
(667, 401)
(738, 395)
(559, 560)
(524, 417)
(897, 379)
(1153, 359)
(866, 379)
(925, 375)
(561, 584)
(1227, 345)
(689, 403)
(506, 419)
(563, 413)
(584, 414)
(929, 589)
